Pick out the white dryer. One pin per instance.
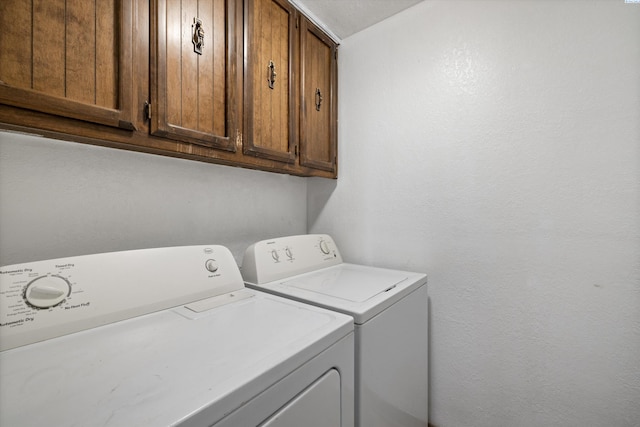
(389, 308)
(165, 337)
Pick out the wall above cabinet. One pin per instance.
(346, 17)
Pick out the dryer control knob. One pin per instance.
(47, 291)
(211, 265)
(324, 247)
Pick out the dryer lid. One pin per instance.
(349, 282)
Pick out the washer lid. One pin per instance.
(349, 282)
(357, 290)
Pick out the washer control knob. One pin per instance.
(211, 265)
(275, 255)
(289, 253)
(324, 247)
(47, 291)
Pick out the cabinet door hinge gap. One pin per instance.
(147, 109)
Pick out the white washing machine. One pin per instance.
(165, 337)
(389, 308)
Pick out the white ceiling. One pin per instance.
(346, 17)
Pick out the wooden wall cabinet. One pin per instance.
(70, 59)
(193, 72)
(318, 98)
(290, 86)
(269, 86)
(167, 77)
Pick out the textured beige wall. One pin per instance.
(495, 145)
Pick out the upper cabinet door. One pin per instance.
(69, 58)
(194, 72)
(318, 98)
(269, 103)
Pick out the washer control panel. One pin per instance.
(45, 299)
(283, 257)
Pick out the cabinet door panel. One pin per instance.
(194, 95)
(318, 99)
(81, 27)
(71, 59)
(49, 31)
(107, 77)
(269, 79)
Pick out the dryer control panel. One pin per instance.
(283, 257)
(46, 299)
